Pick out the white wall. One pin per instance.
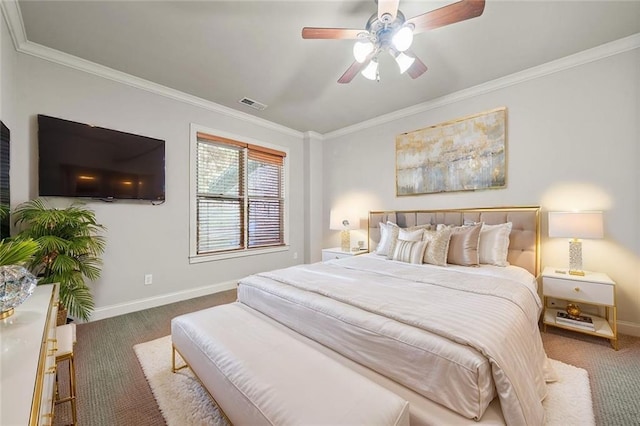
(141, 238)
(313, 196)
(573, 143)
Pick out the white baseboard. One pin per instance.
(152, 302)
(629, 328)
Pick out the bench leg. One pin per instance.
(174, 351)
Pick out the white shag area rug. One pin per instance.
(183, 401)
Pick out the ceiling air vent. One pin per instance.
(253, 104)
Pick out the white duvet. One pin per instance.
(490, 313)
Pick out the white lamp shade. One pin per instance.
(371, 71)
(361, 50)
(340, 222)
(404, 62)
(575, 225)
(403, 38)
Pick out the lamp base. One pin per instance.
(575, 257)
(345, 241)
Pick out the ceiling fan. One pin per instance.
(388, 30)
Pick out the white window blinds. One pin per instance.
(240, 195)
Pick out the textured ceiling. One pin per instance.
(222, 51)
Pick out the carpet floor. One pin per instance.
(184, 402)
(112, 389)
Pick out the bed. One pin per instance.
(460, 342)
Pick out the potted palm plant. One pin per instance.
(69, 250)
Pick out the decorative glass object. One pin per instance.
(16, 285)
(573, 310)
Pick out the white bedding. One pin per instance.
(452, 334)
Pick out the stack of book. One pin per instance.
(580, 321)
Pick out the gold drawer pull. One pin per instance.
(577, 289)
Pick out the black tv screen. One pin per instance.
(79, 160)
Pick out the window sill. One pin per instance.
(230, 255)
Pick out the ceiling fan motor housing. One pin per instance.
(381, 33)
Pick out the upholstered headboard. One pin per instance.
(524, 241)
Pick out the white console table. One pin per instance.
(28, 360)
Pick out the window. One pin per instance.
(239, 196)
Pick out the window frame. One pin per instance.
(194, 257)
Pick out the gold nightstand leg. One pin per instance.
(614, 327)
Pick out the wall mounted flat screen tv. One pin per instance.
(79, 160)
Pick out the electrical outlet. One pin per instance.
(295, 255)
(148, 279)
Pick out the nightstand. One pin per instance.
(594, 288)
(337, 253)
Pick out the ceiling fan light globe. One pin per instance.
(361, 50)
(404, 62)
(403, 38)
(371, 70)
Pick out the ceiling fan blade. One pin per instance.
(389, 7)
(352, 71)
(417, 68)
(330, 33)
(456, 12)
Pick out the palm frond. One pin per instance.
(14, 252)
(77, 299)
(90, 268)
(63, 264)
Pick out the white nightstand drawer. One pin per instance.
(333, 255)
(589, 292)
(337, 253)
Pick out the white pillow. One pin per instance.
(406, 234)
(387, 233)
(409, 251)
(494, 244)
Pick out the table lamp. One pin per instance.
(343, 223)
(575, 225)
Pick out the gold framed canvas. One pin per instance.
(465, 154)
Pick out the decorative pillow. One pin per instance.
(409, 251)
(413, 233)
(386, 237)
(494, 244)
(463, 247)
(437, 246)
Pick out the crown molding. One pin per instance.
(11, 11)
(13, 18)
(312, 135)
(600, 52)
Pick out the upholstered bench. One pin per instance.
(260, 374)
